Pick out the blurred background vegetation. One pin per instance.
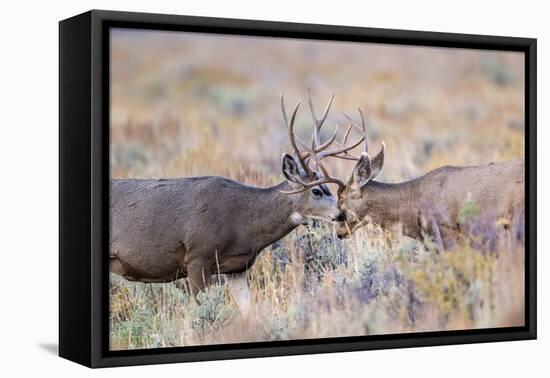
(186, 104)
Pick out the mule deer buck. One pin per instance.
(429, 205)
(166, 229)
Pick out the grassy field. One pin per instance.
(192, 105)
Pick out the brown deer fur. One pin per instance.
(433, 202)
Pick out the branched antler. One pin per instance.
(318, 150)
(343, 150)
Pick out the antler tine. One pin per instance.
(292, 137)
(346, 134)
(361, 128)
(327, 108)
(364, 129)
(343, 151)
(318, 122)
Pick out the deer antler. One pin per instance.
(316, 150)
(292, 137)
(342, 151)
(346, 155)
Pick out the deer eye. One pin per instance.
(316, 192)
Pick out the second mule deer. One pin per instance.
(430, 205)
(163, 230)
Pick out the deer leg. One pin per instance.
(238, 285)
(437, 235)
(199, 278)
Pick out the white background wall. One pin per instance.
(29, 185)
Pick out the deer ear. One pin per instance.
(377, 162)
(290, 168)
(362, 171)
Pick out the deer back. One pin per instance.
(496, 189)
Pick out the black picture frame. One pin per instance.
(83, 181)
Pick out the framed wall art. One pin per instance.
(235, 188)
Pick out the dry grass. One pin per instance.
(374, 283)
(189, 106)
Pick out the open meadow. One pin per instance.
(186, 104)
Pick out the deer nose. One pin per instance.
(341, 217)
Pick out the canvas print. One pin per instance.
(266, 189)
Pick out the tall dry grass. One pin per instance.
(192, 105)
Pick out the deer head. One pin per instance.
(311, 195)
(311, 182)
(351, 199)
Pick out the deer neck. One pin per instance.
(389, 204)
(274, 215)
(288, 211)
